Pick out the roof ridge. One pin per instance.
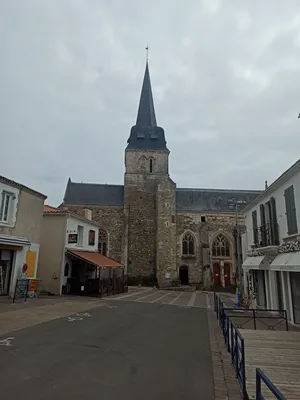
(97, 184)
(222, 190)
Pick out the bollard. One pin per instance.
(239, 299)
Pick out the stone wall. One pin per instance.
(110, 219)
(140, 211)
(138, 161)
(205, 227)
(166, 233)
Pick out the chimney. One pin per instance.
(87, 214)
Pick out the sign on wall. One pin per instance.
(72, 238)
(91, 238)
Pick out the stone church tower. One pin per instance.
(160, 232)
(149, 197)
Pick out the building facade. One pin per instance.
(271, 245)
(63, 231)
(21, 217)
(159, 232)
(71, 252)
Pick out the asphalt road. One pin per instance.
(135, 351)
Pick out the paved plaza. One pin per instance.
(167, 297)
(149, 344)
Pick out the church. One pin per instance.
(163, 235)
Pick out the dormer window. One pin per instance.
(151, 165)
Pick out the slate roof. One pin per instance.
(212, 199)
(186, 199)
(94, 194)
(145, 134)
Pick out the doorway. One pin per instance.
(184, 275)
(217, 275)
(227, 282)
(295, 289)
(6, 260)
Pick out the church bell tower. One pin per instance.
(146, 170)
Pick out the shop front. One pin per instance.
(286, 266)
(254, 269)
(92, 274)
(13, 252)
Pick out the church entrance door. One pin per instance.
(184, 274)
(217, 274)
(227, 274)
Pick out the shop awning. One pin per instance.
(94, 258)
(253, 262)
(14, 240)
(286, 262)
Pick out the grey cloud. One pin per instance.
(224, 76)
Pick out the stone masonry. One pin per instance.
(148, 219)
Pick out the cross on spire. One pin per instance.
(147, 52)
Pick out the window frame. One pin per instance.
(188, 244)
(92, 237)
(218, 254)
(103, 242)
(80, 233)
(151, 165)
(3, 206)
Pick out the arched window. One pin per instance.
(188, 244)
(221, 247)
(102, 242)
(151, 165)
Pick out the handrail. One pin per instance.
(261, 377)
(238, 356)
(235, 343)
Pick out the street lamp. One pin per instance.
(234, 204)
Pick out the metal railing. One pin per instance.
(235, 342)
(237, 347)
(268, 319)
(266, 235)
(261, 377)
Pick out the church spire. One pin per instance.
(146, 112)
(145, 134)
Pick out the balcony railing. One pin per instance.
(266, 235)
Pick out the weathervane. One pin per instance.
(147, 51)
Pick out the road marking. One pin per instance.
(72, 319)
(208, 301)
(161, 297)
(6, 342)
(83, 315)
(144, 297)
(176, 298)
(132, 294)
(192, 300)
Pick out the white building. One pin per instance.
(21, 218)
(271, 245)
(72, 252)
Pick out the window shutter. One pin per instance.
(263, 226)
(254, 225)
(274, 225)
(291, 215)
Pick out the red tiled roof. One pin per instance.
(97, 259)
(48, 208)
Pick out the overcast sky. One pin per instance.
(225, 78)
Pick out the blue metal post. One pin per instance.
(239, 298)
